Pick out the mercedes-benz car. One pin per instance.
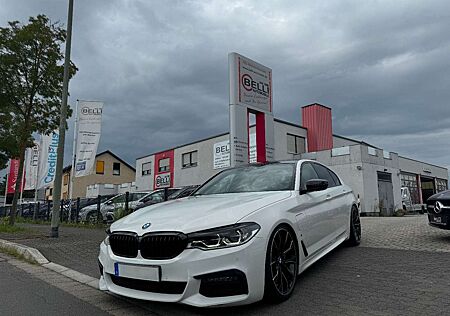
(243, 236)
(438, 207)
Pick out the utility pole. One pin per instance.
(62, 130)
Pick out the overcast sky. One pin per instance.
(161, 67)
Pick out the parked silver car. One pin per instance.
(89, 213)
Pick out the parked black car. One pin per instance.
(438, 207)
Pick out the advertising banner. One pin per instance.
(222, 153)
(47, 159)
(31, 167)
(250, 83)
(89, 123)
(12, 177)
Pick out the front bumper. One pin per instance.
(184, 273)
(439, 220)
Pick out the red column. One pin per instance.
(260, 137)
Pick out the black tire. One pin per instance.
(355, 228)
(281, 265)
(91, 217)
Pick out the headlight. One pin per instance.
(223, 237)
(106, 241)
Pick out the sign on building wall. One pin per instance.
(222, 153)
(250, 83)
(162, 180)
(89, 123)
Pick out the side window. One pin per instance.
(323, 173)
(335, 178)
(307, 173)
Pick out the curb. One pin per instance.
(34, 255)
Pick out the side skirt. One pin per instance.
(323, 251)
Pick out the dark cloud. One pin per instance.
(161, 67)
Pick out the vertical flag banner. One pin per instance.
(47, 160)
(12, 177)
(31, 167)
(89, 123)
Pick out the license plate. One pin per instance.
(135, 271)
(437, 219)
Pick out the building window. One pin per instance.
(100, 167)
(295, 144)
(146, 168)
(340, 151)
(372, 151)
(163, 164)
(116, 168)
(386, 154)
(410, 181)
(441, 185)
(189, 159)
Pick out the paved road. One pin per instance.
(397, 270)
(23, 294)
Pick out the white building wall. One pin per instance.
(144, 182)
(422, 168)
(339, 141)
(204, 169)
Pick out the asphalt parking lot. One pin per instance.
(400, 268)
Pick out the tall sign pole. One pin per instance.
(74, 152)
(62, 130)
(250, 93)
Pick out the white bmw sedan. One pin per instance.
(243, 236)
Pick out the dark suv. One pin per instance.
(438, 207)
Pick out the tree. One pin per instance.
(31, 77)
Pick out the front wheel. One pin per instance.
(355, 228)
(281, 265)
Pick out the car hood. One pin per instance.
(445, 195)
(196, 213)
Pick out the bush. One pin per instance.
(400, 212)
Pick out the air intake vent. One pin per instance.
(124, 244)
(162, 245)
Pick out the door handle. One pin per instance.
(328, 197)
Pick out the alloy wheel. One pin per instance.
(356, 223)
(283, 261)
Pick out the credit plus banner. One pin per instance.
(47, 161)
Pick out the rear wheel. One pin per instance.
(281, 265)
(355, 228)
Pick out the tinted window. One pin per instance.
(255, 178)
(323, 173)
(335, 178)
(307, 173)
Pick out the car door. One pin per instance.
(337, 211)
(312, 212)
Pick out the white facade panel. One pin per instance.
(144, 182)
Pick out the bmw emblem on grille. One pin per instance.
(146, 225)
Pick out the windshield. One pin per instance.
(253, 178)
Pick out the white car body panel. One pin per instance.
(321, 221)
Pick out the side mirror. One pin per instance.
(314, 185)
